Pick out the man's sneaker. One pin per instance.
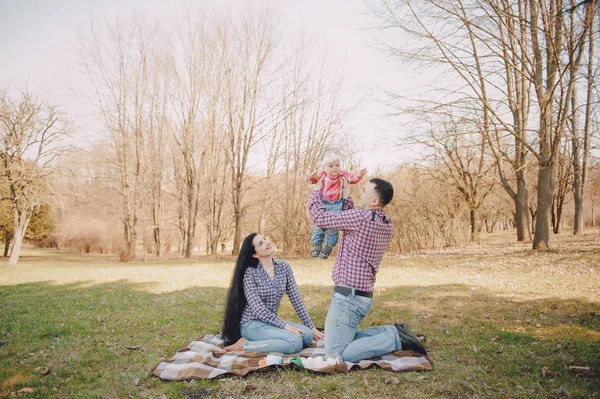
(316, 251)
(326, 252)
(409, 340)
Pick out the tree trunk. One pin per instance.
(553, 220)
(191, 226)
(544, 206)
(559, 212)
(522, 211)
(133, 242)
(237, 236)
(579, 170)
(157, 241)
(578, 203)
(19, 233)
(7, 241)
(472, 217)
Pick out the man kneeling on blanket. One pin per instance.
(367, 232)
(258, 284)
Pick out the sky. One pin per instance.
(39, 40)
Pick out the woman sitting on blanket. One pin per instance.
(258, 284)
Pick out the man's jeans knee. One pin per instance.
(341, 330)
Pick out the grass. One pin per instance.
(501, 321)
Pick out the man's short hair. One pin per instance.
(384, 190)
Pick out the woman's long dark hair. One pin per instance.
(236, 300)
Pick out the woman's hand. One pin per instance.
(318, 335)
(293, 330)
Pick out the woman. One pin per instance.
(258, 284)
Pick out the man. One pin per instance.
(367, 232)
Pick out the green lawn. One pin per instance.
(501, 321)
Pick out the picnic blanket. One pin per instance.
(206, 359)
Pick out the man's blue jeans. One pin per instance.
(330, 236)
(342, 335)
(265, 337)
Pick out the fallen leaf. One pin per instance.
(393, 381)
(26, 390)
(545, 370)
(132, 347)
(494, 339)
(249, 387)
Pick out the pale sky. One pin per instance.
(39, 41)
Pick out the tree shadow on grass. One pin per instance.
(102, 340)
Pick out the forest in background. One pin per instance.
(212, 125)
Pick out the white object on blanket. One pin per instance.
(273, 359)
(318, 362)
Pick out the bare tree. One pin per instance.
(581, 139)
(197, 133)
(462, 153)
(474, 39)
(32, 131)
(216, 177)
(547, 74)
(480, 42)
(251, 45)
(563, 186)
(156, 129)
(116, 58)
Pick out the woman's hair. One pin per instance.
(236, 300)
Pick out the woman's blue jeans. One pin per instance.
(330, 236)
(341, 330)
(265, 337)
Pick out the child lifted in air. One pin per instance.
(331, 188)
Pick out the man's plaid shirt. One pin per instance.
(367, 233)
(263, 295)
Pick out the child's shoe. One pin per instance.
(326, 252)
(316, 251)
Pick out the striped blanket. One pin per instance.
(206, 359)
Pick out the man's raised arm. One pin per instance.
(348, 219)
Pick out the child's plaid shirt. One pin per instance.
(332, 186)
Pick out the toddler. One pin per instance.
(332, 199)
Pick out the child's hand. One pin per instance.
(313, 175)
(319, 184)
(362, 172)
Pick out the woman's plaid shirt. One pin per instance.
(263, 295)
(367, 233)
